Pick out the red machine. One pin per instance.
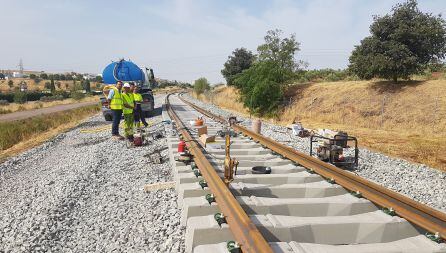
(181, 146)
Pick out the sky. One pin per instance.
(180, 39)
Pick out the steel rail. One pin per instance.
(428, 218)
(241, 226)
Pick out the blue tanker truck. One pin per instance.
(127, 71)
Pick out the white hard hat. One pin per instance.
(126, 85)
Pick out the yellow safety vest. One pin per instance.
(137, 97)
(128, 99)
(116, 101)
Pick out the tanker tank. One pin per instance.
(122, 70)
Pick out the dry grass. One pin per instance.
(17, 136)
(14, 107)
(33, 86)
(417, 107)
(225, 97)
(407, 120)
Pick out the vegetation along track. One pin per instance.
(304, 205)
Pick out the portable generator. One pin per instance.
(331, 145)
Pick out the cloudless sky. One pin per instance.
(180, 39)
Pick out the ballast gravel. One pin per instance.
(417, 181)
(84, 192)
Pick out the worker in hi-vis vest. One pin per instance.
(129, 105)
(138, 114)
(116, 105)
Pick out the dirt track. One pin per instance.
(38, 112)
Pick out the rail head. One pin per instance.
(243, 229)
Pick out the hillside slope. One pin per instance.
(407, 120)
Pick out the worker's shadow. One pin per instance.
(391, 87)
(93, 123)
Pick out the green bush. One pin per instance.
(77, 95)
(30, 96)
(47, 85)
(4, 102)
(328, 75)
(34, 96)
(20, 97)
(260, 87)
(14, 132)
(201, 85)
(62, 93)
(332, 77)
(7, 96)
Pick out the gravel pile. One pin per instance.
(83, 192)
(417, 181)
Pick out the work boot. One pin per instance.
(118, 137)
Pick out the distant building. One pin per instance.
(89, 76)
(17, 75)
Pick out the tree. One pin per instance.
(44, 76)
(86, 85)
(201, 85)
(280, 51)
(10, 83)
(2, 76)
(77, 95)
(401, 44)
(240, 60)
(32, 76)
(52, 86)
(98, 79)
(261, 87)
(20, 97)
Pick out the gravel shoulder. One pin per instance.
(417, 181)
(83, 192)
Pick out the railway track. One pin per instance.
(304, 205)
